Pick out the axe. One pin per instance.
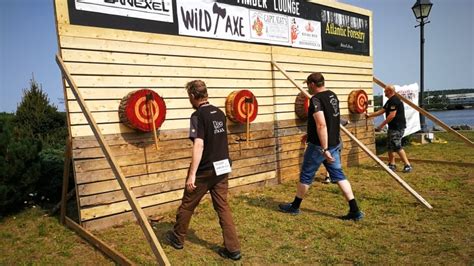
(220, 13)
(149, 100)
(248, 102)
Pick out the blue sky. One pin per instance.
(28, 44)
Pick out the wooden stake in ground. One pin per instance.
(132, 200)
(150, 101)
(430, 116)
(67, 163)
(362, 146)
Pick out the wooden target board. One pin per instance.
(301, 106)
(139, 109)
(358, 101)
(240, 104)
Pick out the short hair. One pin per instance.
(317, 78)
(390, 88)
(197, 88)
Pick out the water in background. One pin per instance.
(450, 118)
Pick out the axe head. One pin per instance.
(248, 100)
(217, 10)
(149, 97)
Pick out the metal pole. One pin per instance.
(420, 100)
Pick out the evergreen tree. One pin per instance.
(37, 116)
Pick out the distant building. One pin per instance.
(462, 98)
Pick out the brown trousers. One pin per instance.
(218, 188)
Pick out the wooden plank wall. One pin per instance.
(107, 64)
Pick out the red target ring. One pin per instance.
(136, 110)
(236, 106)
(301, 106)
(358, 101)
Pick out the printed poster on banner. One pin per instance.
(157, 10)
(305, 33)
(269, 28)
(412, 116)
(212, 20)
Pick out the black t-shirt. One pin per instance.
(395, 104)
(209, 123)
(327, 102)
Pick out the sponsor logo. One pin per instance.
(158, 10)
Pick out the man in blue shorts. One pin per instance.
(323, 139)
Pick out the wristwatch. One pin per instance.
(324, 150)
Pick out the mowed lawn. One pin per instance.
(397, 228)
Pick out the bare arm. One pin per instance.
(390, 117)
(322, 134)
(374, 114)
(198, 148)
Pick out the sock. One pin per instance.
(353, 206)
(296, 203)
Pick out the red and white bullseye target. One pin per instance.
(139, 109)
(358, 101)
(239, 105)
(301, 106)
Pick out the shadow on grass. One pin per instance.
(271, 204)
(161, 229)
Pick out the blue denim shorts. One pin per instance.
(313, 159)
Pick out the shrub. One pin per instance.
(51, 178)
(19, 166)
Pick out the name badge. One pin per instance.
(222, 167)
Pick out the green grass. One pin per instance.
(397, 228)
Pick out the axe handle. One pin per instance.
(150, 105)
(247, 105)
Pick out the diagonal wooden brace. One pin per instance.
(132, 200)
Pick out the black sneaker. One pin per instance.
(355, 216)
(288, 208)
(223, 252)
(173, 240)
(407, 168)
(327, 180)
(392, 167)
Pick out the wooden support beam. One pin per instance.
(132, 200)
(430, 116)
(67, 163)
(99, 244)
(362, 146)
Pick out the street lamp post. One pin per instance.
(422, 9)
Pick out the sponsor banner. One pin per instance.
(293, 23)
(212, 20)
(344, 32)
(412, 116)
(157, 10)
(305, 33)
(269, 28)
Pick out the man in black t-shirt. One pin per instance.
(324, 144)
(395, 118)
(208, 171)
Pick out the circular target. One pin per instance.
(301, 106)
(358, 101)
(236, 106)
(139, 109)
